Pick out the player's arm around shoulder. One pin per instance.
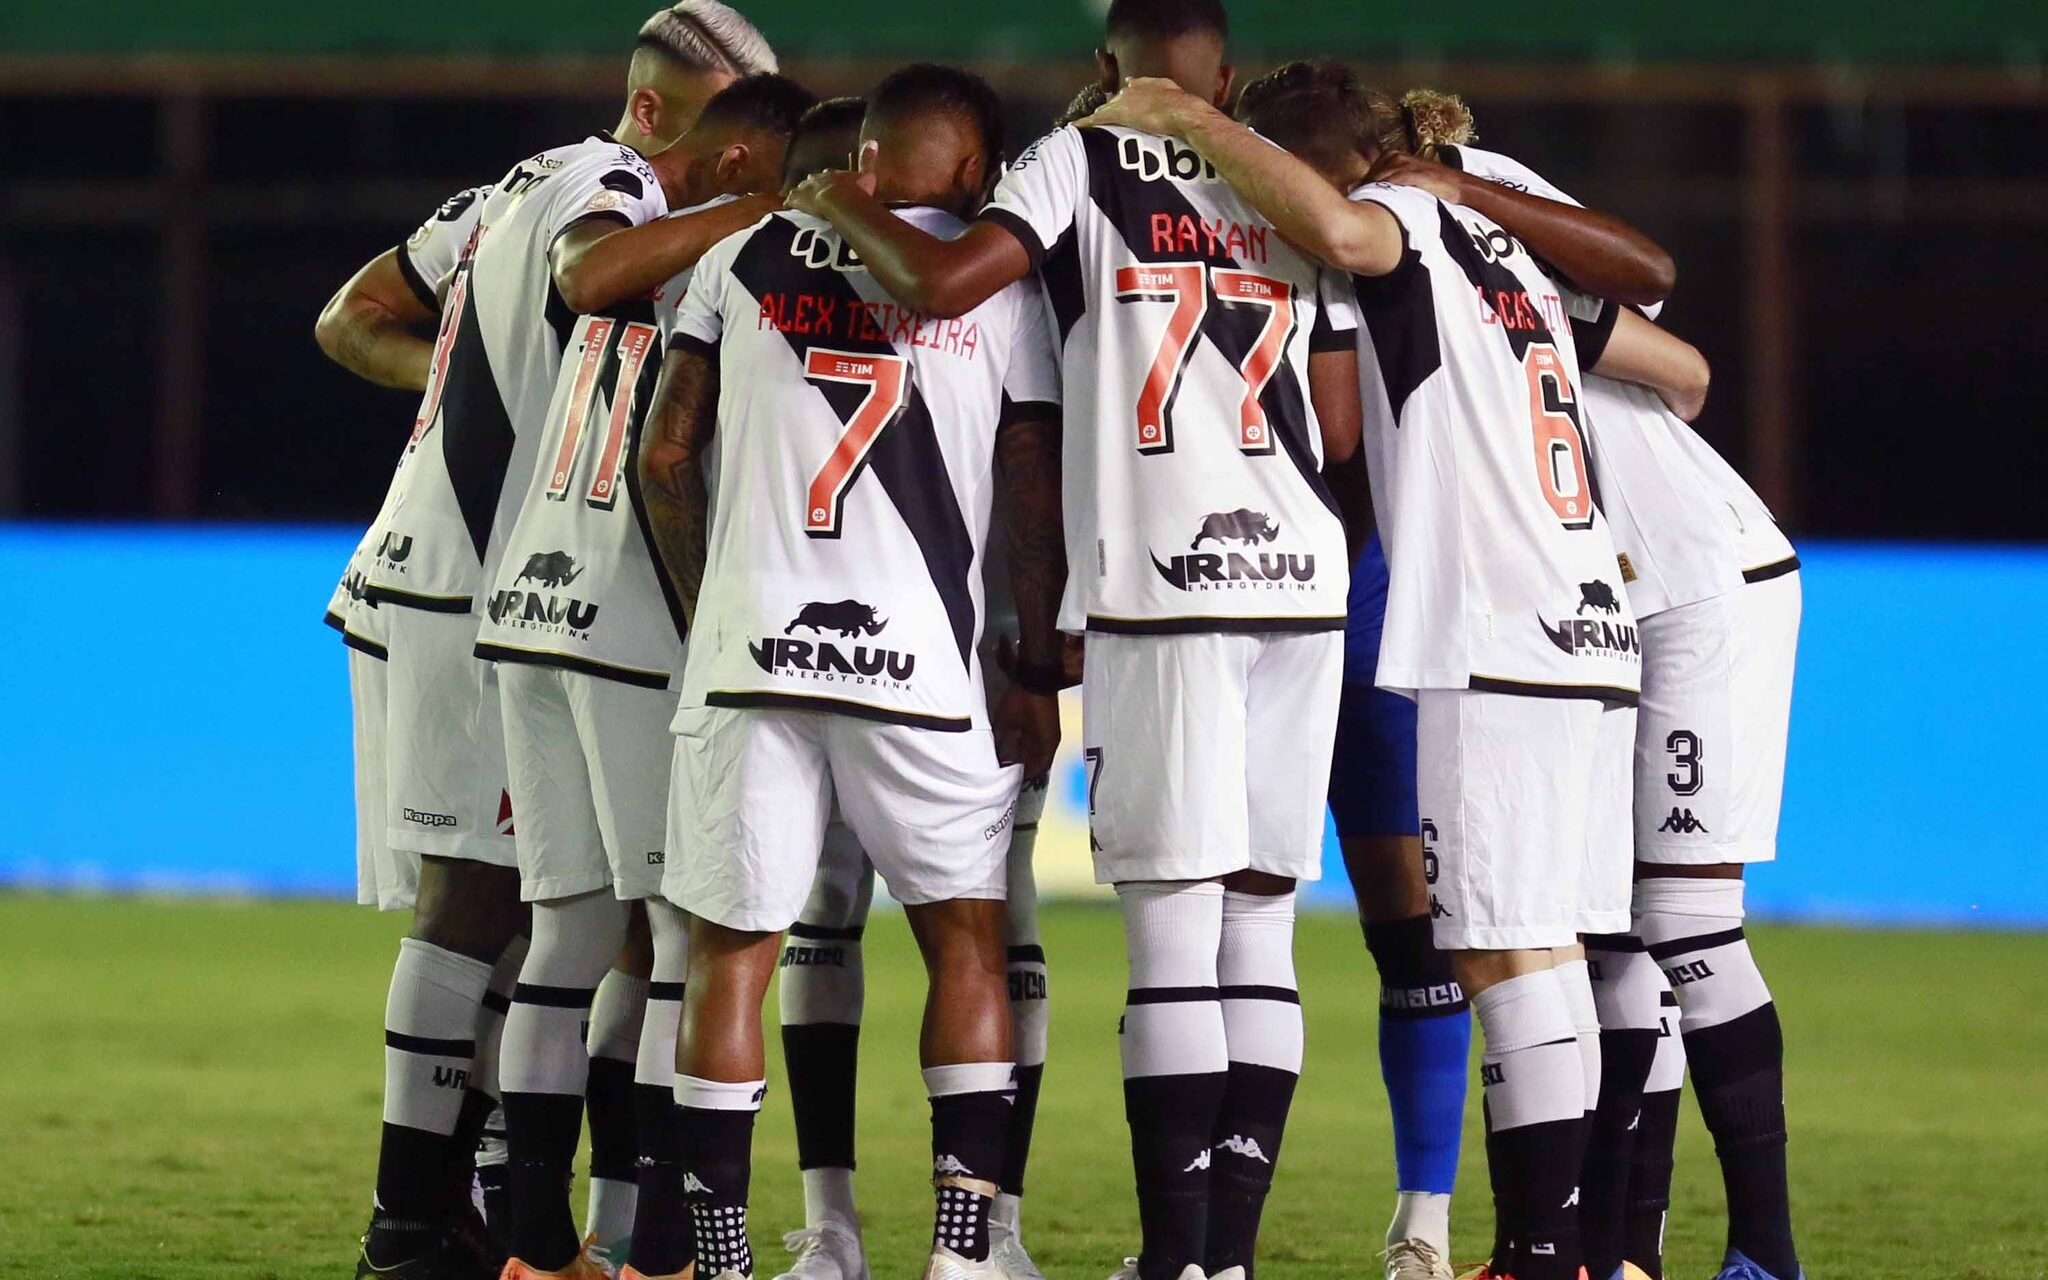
(1635, 350)
(598, 263)
(681, 419)
(371, 326)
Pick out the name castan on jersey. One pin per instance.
(1501, 572)
(426, 259)
(580, 585)
(1194, 500)
(854, 463)
(503, 328)
(1685, 523)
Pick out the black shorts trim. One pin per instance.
(752, 701)
(825, 933)
(567, 662)
(664, 991)
(1614, 942)
(1022, 230)
(498, 1002)
(1171, 995)
(1197, 626)
(1699, 942)
(1279, 995)
(1030, 953)
(553, 997)
(425, 604)
(420, 288)
(1528, 689)
(1764, 573)
(1028, 411)
(427, 1046)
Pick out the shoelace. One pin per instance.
(1421, 1252)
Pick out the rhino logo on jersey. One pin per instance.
(1590, 637)
(550, 569)
(395, 547)
(1243, 526)
(847, 617)
(1597, 595)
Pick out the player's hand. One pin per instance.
(1405, 170)
(1150, 103)
(1027, 729)
(1072, 652)
(816, 194)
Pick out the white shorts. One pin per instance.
(1209, 753)
(1524, 809)
(1716, 707)
(752, 788)
(445, 792)
(588, 760)
(385, 880)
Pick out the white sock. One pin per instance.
(1693, 929)
(1577, 980)
(1424, 1216)
(1534, 1074)
(430, 1023)
(828, 1199)
(1173, 932)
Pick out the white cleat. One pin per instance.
(948, 1265)
(1229, 1273)
(1129, 1271)
(1416, 1260)
(1006, 1251)
(830, 1252)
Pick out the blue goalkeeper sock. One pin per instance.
(1425, 1037)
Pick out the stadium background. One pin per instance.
(1856, 200)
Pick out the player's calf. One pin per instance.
(664, 1244)
(1628, 991)
(1263, 1035)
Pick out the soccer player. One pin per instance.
(852, 444)
(1424, 1019)
(1502, 617)
(372, 327)
(435, 545)
(1206, 469)
(1715, 586)
(587, 640)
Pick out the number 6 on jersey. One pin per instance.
(888, 381)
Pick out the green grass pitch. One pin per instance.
(191, 1089)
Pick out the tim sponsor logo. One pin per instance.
(1235, 570)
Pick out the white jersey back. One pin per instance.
(426, 260)
(502, 332)
(580, 585)
(854, 463)
(1686, 528)
(1194, 496)
(1501, 573)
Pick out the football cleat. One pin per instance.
(1738, 1266)
(1229, 1273)
(1629, 1271)
(1415, 1260)
(1129, 1271)
(829, 1252)
(1485, 1271)
(439, 1258)
(1006, 1250)
(629, 1272)
(588, 1264)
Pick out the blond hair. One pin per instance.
(705, 35)
(1430, 119)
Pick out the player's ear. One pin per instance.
(869, 156)
(1105, 70)
(1225, 78)
(644, 109)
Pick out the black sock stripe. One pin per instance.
(428, 1046)
(1622, 942)
(498, 1002)
(1279, 995)
(826, 933)
(1030, 953)
(1668, 999)
(664, 991)
(1698, 942)
(553, 997)
(1170, 995)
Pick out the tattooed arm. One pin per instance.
(371, 326)
(673, 442)
(1027, 719)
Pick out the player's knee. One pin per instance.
(637, 956)
(470, 908)
(1263, 884)
(1387, 875)
(1478, 970)
(963, 938)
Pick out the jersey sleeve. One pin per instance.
(1592, 320)
(618, 185)
(1336, 326)
(700, 316)
(1033, 377)
(1040, 195)
(429, 256)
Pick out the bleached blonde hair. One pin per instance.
(705, 35)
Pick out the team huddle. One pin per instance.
(777, 465)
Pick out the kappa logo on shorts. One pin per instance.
(1229, 570)
(428, 819)
(1681, 822)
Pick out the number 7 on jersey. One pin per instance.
(887, 379)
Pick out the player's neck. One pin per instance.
(628, 135)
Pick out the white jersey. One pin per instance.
(580, 585)
(854, 458)
(1685, 523)
(1193, 458)
(503, 328)
(426, 260)
(1501, 572)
